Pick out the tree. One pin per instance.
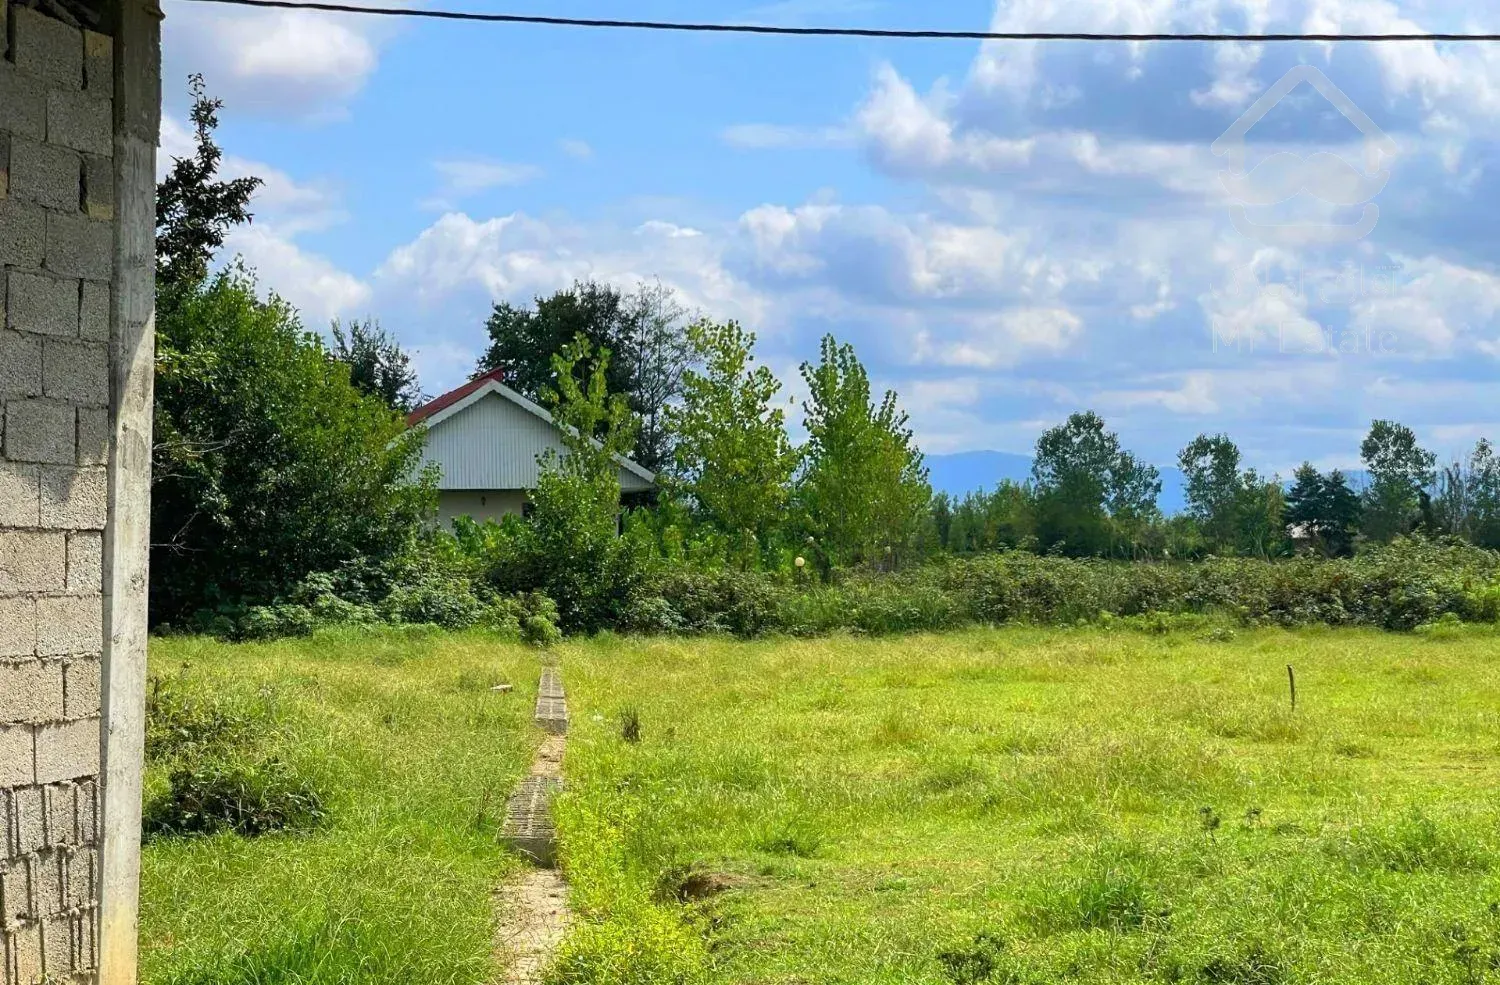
(1400, 470)
(643, 332)
(1088, 488)
(1211, 465)
(863, 489)
(1467, 503)
(377, 364)
(268, 465)
(1259, 515)
(732, 454)
(194, 209)
(1324, 510)
(569, 546)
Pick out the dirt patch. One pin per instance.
(534, 916)
(549, 758)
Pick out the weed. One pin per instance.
(974, 961)
(630, 725)
(248, 798)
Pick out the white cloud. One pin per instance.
(307, 63)
(317, 288)
(770, 136)
(1001, 340)
(466, 176)
(579, 150)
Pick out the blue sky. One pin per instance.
(1006, 232)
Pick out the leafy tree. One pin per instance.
(377, 364)
(863, 489)
(269, 466)
(732, 455)
(1088, 488)
(1211, 465)
(1467, 504)
(942, 520)
(642, 331)
(569, 546)
(1259, 515)
(1324, 509)
(1400, 470)
(194, 209)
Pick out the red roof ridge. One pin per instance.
(452, 397)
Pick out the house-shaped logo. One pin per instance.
(1323, 175)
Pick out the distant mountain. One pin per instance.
(967, 471)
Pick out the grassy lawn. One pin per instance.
(413, 757)
(1029, 805)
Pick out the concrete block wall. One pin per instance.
(57, 249)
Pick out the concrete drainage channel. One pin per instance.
(534, 912)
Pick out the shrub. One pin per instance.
(223, 794)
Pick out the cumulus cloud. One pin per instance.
(304, 63)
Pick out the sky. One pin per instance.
(1006, 232)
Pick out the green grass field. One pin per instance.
(1016, 805)
(414, 756)
(1029, 805)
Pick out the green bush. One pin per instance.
(232, 794)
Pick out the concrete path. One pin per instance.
(533, 913)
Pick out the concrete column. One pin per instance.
(137, 126)
(79, 104)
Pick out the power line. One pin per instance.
(834, 32)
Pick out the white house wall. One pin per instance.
(494, 444)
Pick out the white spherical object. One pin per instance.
(800, 562)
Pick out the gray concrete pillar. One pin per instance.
(79, 105)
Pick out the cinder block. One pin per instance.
(82, 877)
(71, 625)
(78, 246)
(93, 436)
(40, 431)
(93, 318)
(76, 371)
(99, 64)
(17, 628)
(43, 305)
(81, 688)
(20, 495)
(31, 691)
(81, 121)
(23, 233)
(74, 498)
(17, 761)
(86, 812)
(57, 948)
(32, 561)
(4, 166)
(85, 562)
(20, 366)
(47, 49)
(48, 884)
(48, 175)
(98, 187)
(15, 895)
(28, 820)
(25, 944)
(67, 751)
(23, 104)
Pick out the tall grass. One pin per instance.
(1026, 805)
(412, 756)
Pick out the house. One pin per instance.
(485, 438)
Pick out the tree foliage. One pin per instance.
(377, 364)
(194, 207)
(1400, 472)
(268, 464)
(1091, 494)
(863, 489)
(733, 458)
(643, 332)
(1324, 510)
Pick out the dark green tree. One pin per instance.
(377, 364)
(643, 332)
(1400, 471)
(1211, 465)
(194, 207)
(1089, 490)
(1323, 510)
